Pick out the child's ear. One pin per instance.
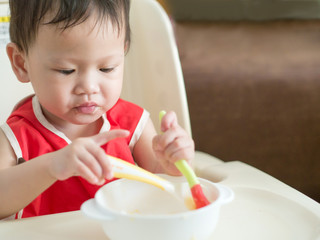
(17, 59)
(126, 47)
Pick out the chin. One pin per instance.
(84, 120)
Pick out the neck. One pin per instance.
(73, 131)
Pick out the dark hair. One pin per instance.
(28, 15)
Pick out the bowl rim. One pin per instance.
(118, 214)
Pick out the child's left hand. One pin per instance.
(173, 145)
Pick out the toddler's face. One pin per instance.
(77, 74)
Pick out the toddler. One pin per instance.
(53, 146)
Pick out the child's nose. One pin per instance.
(87, 84)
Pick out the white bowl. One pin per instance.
(129, 209)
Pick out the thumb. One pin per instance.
(104, 137)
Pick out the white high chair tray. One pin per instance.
(263, 208)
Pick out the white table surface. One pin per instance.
(263, 208)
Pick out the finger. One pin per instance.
(169, 120)
(83, 171)
(180, 148)
(104, 137)
(104, 163)
(168, 166)
(89, 160)
(169, 136)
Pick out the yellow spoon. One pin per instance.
(123, 169)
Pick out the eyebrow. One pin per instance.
(111, 57)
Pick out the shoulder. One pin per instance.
(22, 110)
(27, 136)
(22, 118)
(129, 116)
(125, 107)
(26, 101)
(126, 113)
(8, 157)
(16, 131)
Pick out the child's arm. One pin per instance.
(20, 184)
(157, 153)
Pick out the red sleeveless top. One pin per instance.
(31, 135)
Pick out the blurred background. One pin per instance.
(252, 76)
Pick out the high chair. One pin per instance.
(263, 207)
(153, 76)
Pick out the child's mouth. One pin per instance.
(87, 108)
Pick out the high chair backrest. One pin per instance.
(153, 74)
(152, 79)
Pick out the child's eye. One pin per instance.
(106, 70)
(66, 71)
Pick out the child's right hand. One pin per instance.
(84, 157)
